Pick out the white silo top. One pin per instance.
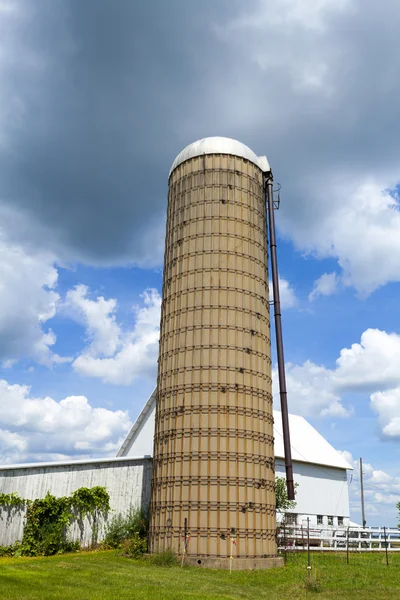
(220, 145)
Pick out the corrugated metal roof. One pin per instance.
(220, 145)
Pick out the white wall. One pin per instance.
(322, 491)
(128, 481)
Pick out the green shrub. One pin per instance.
(167, 558)
(9, 550)
(134, 547)
(115, 532)
(48, 520)
(123, 527)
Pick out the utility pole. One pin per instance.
(364, 522)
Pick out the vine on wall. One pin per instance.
(48, 520)
(11, 500)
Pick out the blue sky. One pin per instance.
(97, 99)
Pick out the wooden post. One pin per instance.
(386, 547)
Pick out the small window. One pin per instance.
(291, 518)
(340, 521)
(320, 519)
(330, 520)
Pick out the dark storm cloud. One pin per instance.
(103, 86)
(101, 96)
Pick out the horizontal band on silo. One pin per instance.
(213, 387)
(204, 505)
(171, 457)
(201, 370)
(223, 534)
(176, 433)
(215, 409)
(207, 307)
(214, 481)
(214, 253)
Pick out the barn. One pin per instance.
(321, 472)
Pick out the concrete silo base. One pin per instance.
(238, 564)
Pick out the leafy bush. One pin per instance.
(134, 547)
(9, 550)
(123, 527)
(167, 558)
(282, 501)
(48, 520)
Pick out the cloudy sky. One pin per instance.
(96, 100)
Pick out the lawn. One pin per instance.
(106, 575)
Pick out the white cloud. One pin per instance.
(372, 364)
(387, 406)
(28, 300)
(381, 477)
(12, 441)
(369, 367)
(287, 13)
(286, 292)
(326, 285)
(372, 367)
(381, 491)
(335, 202)
(113, 355)
(274, 72)
(363, 233)
(98, 317)
(44, 429)
(311, 391)
(391, 499)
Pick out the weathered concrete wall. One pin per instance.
(128, 481)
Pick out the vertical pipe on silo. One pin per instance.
(279, 342)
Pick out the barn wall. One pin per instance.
(322, 491)
(128, 482)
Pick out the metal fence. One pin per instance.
(295, 538)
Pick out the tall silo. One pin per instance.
(213, 467)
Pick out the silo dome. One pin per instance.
(219, 145)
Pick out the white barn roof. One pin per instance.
(308, 446)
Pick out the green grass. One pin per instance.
(106, 575)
